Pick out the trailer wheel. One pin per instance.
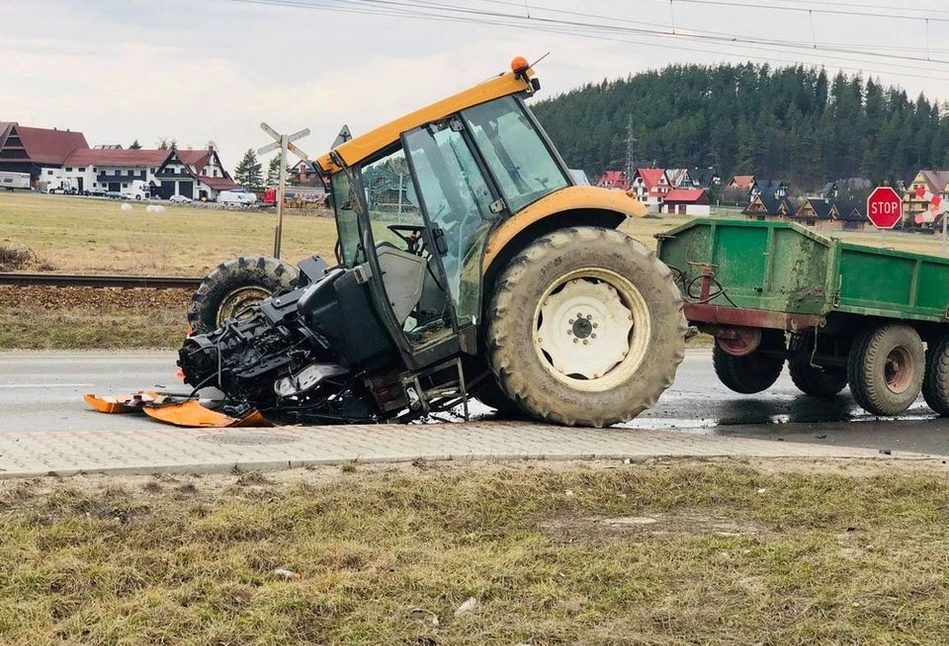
(936, 380)
(753, 372)
(809, 379)
(235, 285)
(885, 368)
(585, 328)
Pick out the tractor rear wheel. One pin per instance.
(585, 328)
(235, 285)
(886, 368)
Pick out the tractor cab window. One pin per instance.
(520, 160)
(345, 201)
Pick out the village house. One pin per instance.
(814, 212)
(679, 178)
(650, 186)
(934, 181)
(775, 187)
(27, 150)
(741, 182)
(852, 214)
(768, 207)
(613, 179)
(196, 174)
(687, 201)
(704, 177)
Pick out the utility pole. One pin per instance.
(630, 149)
(284, 143)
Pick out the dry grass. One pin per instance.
(91, 235)
(737, 554)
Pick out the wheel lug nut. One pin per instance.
(576, 340)
(593, 336)
(596, 325)
(579, 315)
(585, 342)
(570, 321)
(589, 316)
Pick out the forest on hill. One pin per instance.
(794, 123)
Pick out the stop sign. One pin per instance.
(884, 207)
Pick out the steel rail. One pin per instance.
(100, 280)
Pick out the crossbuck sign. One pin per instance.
(283, 143)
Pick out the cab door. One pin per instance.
(459, 206)
(403, 270)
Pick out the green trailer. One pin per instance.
(837, 313)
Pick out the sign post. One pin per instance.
(283, 143)
(884, 209)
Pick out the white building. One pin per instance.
(197, 174)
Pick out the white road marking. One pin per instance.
(43, 385)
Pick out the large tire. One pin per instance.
(936, 380)
(755, 371)
(235, 285)
(490, 394)
(885, 368)
(604, 366)
(809, 380)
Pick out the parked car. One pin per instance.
(236, 198)
(179, 199)
(113, 195)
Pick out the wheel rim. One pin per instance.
(238, 300)
(899, 369)
(591, 329)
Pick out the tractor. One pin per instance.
(468, 264)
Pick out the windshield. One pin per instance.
(525, 168)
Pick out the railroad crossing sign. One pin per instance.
(283, 143)
(884, 207)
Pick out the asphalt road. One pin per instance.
(42, 391)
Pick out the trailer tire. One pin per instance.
(810, 380)
(611, 294)
(886, 368)
(936, 380)
(753, 372)
(235, 285)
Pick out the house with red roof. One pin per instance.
(687, 201)
(25, 149)
(650, 186)
(614, 179)
(196, 174)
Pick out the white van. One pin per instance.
(236, 198)
(138, 190)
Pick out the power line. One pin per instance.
(818, 9)
(424, 10)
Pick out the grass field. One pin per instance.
(585, 553)
(73, 234)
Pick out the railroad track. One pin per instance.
(97, 280)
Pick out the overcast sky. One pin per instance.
(199, 70)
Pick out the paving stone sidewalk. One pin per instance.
(174, 450)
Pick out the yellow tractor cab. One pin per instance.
(468, 263)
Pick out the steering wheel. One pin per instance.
(410, 234)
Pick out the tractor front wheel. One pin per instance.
(586, 328)
(234, 286)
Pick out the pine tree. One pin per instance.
(273, 171)
(249, 173)
(135, 145)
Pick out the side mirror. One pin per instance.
(438, 238)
